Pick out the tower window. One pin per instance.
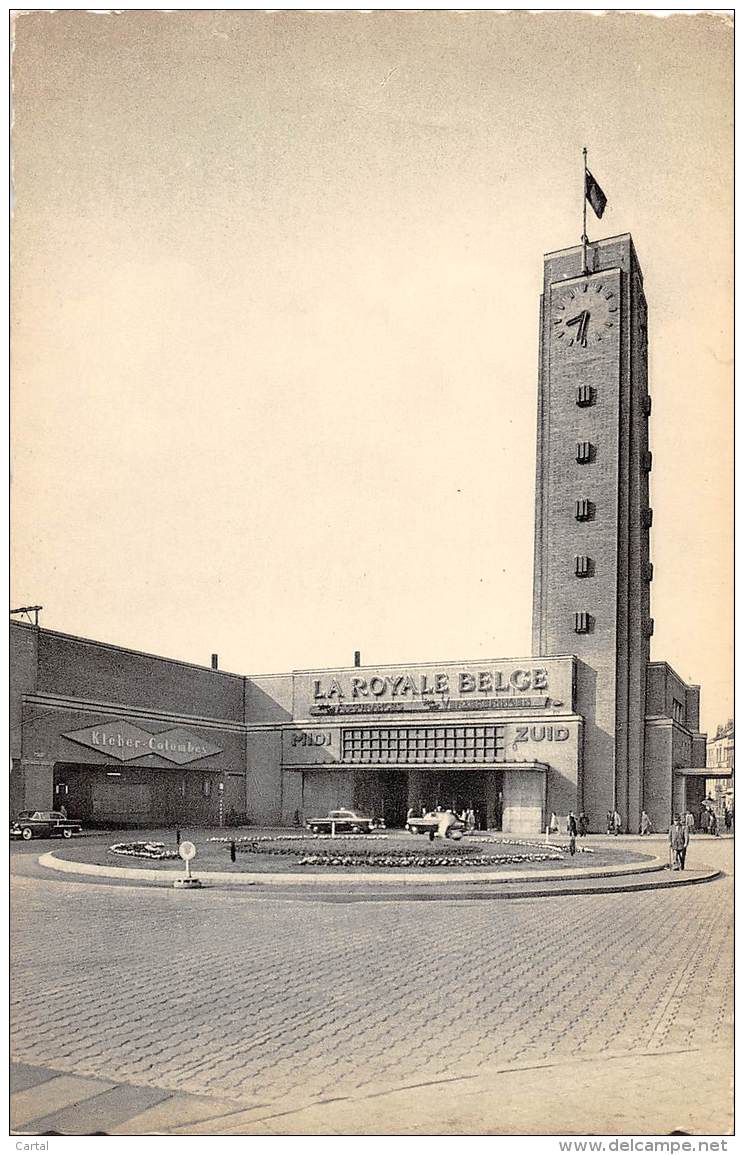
(647, 405)
(584, 452)
(584, 509)
(647, 518)
(648, 571)
(583, 622)
(583, 566)
(677, 710)
(585, 395)
(648, 627)
(647, 460)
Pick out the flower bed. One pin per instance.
(246, 838)
(345, 850)
(353, 850)
(402, 858)
(151, 850)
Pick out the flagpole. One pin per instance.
(584, 238)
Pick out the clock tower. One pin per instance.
(592, 569)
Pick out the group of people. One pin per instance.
(576, 826)
(708, 820)
(467, 817)
(614, 822)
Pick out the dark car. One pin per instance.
(43, 824)
(343, 822)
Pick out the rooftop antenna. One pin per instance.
(26, 612)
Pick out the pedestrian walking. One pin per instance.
(713, 823)
(63, 810)
(703, 819)
(645, 823)
(609, 822)
(583, 825)
(727, 819)
(553, 823)
(679, 840)
(571, 824)
(689, 821)
(617, 823)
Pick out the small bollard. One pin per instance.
(547, 835)
(232, 851)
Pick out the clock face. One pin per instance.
(584, 314)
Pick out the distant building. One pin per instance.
(720, 757)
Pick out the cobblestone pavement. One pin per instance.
(273, 1005)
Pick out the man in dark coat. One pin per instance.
(679, 840)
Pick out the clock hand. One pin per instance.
(582, 320)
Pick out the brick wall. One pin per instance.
(614, 593)
(78, 668)
(23, 659)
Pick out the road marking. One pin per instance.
(50, 1096)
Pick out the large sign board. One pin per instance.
(537, 684)
(125, 741)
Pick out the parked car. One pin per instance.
(430, 823)
(43, 824)
(344, 822)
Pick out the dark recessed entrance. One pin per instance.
(464, 789)
(394, 789)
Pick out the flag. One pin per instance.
(594, 194)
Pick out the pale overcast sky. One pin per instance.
(276, 283)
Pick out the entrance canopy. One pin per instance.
(705, 772)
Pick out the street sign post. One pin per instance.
(187, 851)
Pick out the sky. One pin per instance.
(275, 301)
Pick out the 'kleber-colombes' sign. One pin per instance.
(124, 741)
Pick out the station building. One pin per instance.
(586, 723)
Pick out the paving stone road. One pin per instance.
(253, 1009)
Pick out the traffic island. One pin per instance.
(390, 866)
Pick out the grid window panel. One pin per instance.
(450, 744)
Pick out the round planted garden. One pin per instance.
(388, 851)
(303, 852)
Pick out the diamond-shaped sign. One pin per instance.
(121, 740)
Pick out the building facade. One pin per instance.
(720, 761)
(587, 723)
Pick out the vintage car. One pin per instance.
(432, 822)
(43, 824)
(343, 822)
